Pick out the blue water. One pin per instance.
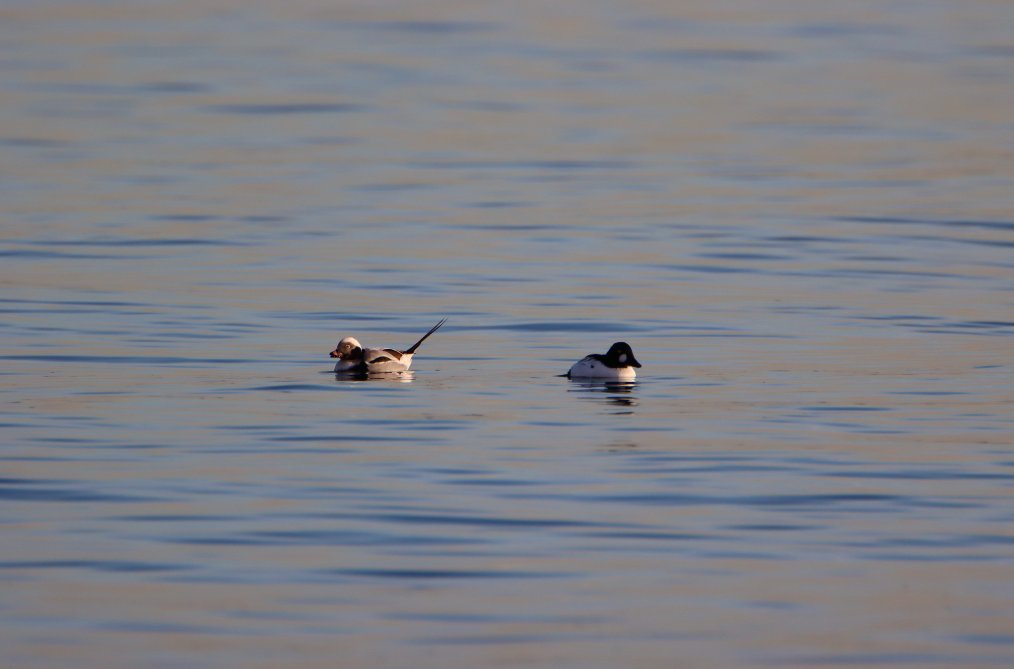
(800, 217)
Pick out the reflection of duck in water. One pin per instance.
(362, 376)
(606, 391)
(352, 357)
(617, 364)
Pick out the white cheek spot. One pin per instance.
(623, 357)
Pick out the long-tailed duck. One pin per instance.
(352, 357)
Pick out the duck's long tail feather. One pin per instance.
(435, 328)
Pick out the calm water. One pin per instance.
(800, 215)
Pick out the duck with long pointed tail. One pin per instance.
(352, 357)
(617, 364)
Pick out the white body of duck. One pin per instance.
(352, 357)
(617, 364)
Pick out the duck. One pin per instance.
(618, 363)
(352, 357)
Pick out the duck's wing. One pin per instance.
(372, 355)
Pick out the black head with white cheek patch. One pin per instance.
(620, 355)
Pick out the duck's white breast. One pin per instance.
(345, 365)
(590, 367)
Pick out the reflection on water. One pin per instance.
(405, 376)
(617, 393)
(803, 210)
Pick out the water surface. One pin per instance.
(799, 215)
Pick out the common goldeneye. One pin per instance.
(352, 357)
(618, 363)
